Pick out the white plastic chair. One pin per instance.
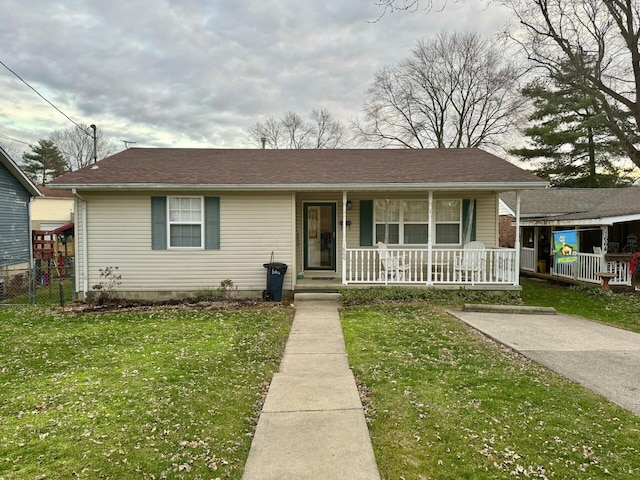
(392, 267)
(469, 265)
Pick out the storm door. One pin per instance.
(320, 236)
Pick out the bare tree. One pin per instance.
(76, 145)
(292, 131)
(598, 39)
(296, 129)
(270, 131)
(458, 90)
(10, 150)
(327, 132)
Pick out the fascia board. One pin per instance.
(494, 187)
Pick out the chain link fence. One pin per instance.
(47, 282)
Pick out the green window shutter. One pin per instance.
(159, 223)
(366, 223)
(468, 220)
(212, 223)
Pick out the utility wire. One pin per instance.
(40, 95)
(12, 139)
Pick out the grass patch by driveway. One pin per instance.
(617, 309)
(160, 393)
(442, 402)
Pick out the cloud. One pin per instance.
(199, 73)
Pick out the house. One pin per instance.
(16, 191)
(179, 221)
(51, 210)
(607, 222)
(52, 222)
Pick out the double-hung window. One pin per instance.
(448, 222)
(401, 222)
(186, 222)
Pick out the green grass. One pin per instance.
(618, 309)
(442, 402)
(45, 294)
(160, 393)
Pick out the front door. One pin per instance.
(320, 236)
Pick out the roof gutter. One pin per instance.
(494, 186)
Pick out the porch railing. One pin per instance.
(448, 266)
(586, 268)
(528, 259)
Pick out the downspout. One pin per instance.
(430, 241)
(85, 248)
(344, 238)
(294, 259)
(517, 242)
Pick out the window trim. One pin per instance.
(202, 222)
(401, 222)
(436, 222)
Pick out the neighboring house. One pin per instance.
(16, 191)
(51, 210)
(607, 222)
(179, 221)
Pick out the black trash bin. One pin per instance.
(275, 279)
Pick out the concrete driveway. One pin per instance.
(604, 359)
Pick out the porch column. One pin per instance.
(605, 247)
(517, 242)
(430, 241)
(344, 238)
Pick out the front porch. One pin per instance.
(482, 269)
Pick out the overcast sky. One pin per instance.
(198, 73)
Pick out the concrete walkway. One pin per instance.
(604, 359)
(312, 425)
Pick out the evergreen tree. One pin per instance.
(44, 162)
(570, 137)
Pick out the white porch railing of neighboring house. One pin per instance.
(584, 270)
(495, 266)
(528, 259)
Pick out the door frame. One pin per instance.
(305, 233)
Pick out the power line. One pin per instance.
(12, 139)
(40, 95)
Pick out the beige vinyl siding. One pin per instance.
(487, 226)
(251, 227)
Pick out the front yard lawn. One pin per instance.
(442, 402)
(160, 393)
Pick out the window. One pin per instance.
(447, 221)
(401, 222)
(185, 222)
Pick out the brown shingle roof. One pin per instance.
(140, 167)
(567, 204)
(49, 192)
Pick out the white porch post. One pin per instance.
(344, 238)
(605, 247)
(517, 242)
(430, 241)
